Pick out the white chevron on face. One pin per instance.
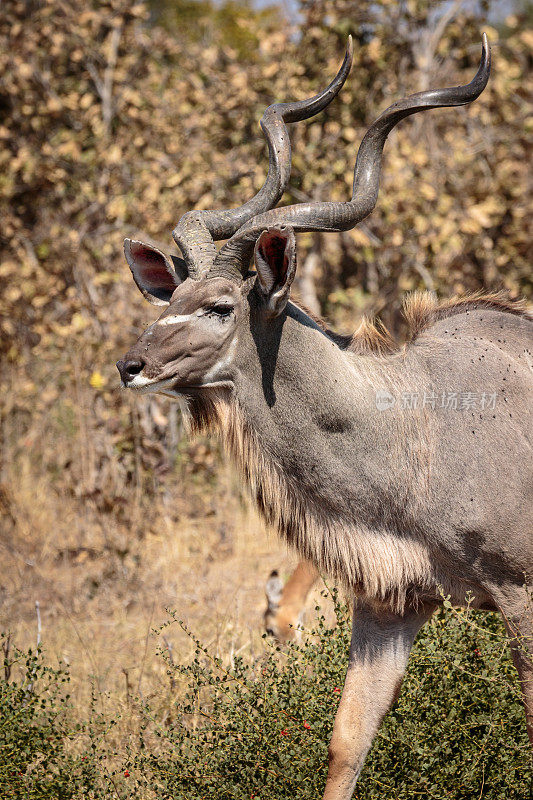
(175, 319)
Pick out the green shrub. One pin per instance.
(38, 731)
(33, 762)
(261, 731)
(458, 730)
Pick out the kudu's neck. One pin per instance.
(311, 407)
(329, 471)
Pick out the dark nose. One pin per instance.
(130, 368)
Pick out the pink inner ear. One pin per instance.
(273, 250)
(151, 268)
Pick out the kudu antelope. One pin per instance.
(401, 501)
(285, 603)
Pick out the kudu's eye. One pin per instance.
(220, 309)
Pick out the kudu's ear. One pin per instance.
(275, 261)
(156, 274)
(273, 590)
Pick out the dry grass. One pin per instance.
(103, 579)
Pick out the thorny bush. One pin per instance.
(259, 728)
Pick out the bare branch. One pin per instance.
(6, 645)
(109, 74)
(168, 645)
(104, 86)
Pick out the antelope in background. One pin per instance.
(400, 502)
(285, 603)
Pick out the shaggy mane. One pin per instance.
(372, 337)
(421, 310)
(387, 569)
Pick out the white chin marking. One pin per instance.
(139, 382)
(143, 384)
(175, 319)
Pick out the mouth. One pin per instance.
(144, 385)
(169, 387)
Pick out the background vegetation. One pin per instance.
(116, 119)
(231, 728)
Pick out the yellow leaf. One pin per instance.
(86, 100)
(527, 38)
(114, 155)
(374, 49)
(78, 322)
(427, 190)
(26, 70)
(470, 225)
(97, 380)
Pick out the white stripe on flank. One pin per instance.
(175, 319)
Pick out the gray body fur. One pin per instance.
(456, 485)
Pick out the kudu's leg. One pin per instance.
(524, 665)
(519, 626)
(379, 651)
(286, 603)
